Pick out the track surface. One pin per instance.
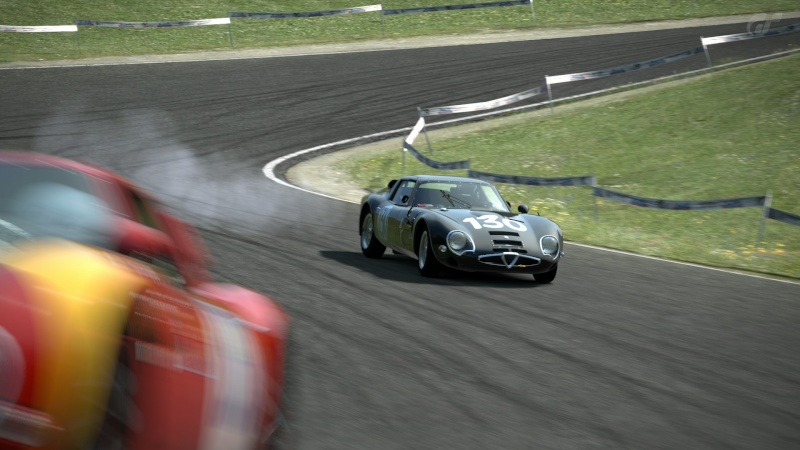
(619, 352)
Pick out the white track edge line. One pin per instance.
(269, 172)
(683, 263)
(269, 168)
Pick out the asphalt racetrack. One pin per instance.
(619, 352)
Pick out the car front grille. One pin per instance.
(509, 260)
(506, 241)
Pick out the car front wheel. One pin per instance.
(547, 276)
(122, 417)
(429, 266)
(370, 245)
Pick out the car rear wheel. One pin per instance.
(547, 276)
(370, 245)
(429, 266)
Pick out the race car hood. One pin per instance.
(472, 216)
(77, 299)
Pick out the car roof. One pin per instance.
(104, 176)
(33, 159)
(446, 179)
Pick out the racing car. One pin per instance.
(459, 223)
(112, 333)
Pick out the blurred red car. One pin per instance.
(112, 333)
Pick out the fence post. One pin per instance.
(533, 13)
(78, 37)
(230, 29)
(705, 50)
(425, 130)
(549, 93)
(403, 158)
(594, 200)
(764, 217)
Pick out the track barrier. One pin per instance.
(257, 15)
(140, 25)
(679, 205)
(599, 192)
(427, 9)
(454, 165)
(783, 216)
(534, 181)
(310, 14)
(744, 37)
(420, 127)
(183, 23)
(296, 15)
(481, 106)
(42, 29)
(39, 29)
(551, 80)
(374, 8)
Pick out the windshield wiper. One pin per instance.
(451, 197)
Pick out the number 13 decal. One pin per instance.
(494, 221)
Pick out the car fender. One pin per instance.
(268, 323)
(371, 202)
(77, 299)
(438, 227)
(542, 226)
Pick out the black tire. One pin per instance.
(546, 277)
(281, 436)
(429, 266)
(371, 247)
(121, 415)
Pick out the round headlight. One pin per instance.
(457, 240)
(549, 245)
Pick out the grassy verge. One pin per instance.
(729, 134)
(255, 33)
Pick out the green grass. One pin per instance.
(729, 134)
(255, 33)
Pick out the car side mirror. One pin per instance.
(405, 199)
(523, 208)
(135, 238)
(391, 184)
(190, 252)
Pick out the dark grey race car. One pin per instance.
(461, 223)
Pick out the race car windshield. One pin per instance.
(42, 202)
(459, 195)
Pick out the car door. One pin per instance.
(393, 215)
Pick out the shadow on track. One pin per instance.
(403, 269)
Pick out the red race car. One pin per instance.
(112, 332)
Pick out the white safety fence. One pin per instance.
(764, 201)
(39, 29)
(169, 24)
(256, 15)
